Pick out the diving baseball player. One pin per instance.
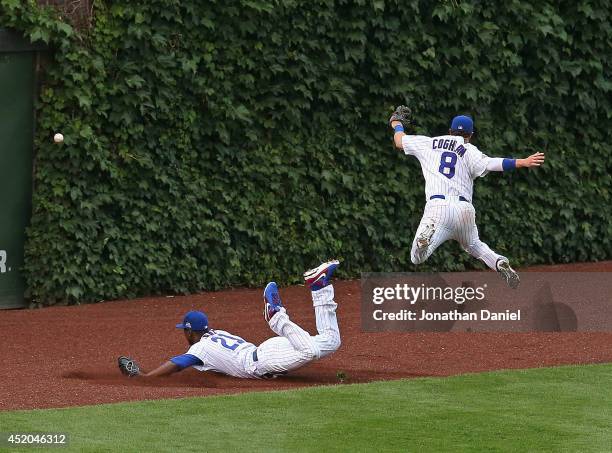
(223, 352)
(450, 164)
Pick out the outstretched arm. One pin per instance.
(166, 369)
(501, 164)
(173, 365)
(130, 367)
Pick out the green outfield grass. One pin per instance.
(548, 409)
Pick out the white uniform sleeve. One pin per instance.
(197, 350)
(416, 144)
(495, 164)
(477, 162)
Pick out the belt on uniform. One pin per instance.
(442, 197)
(267, 375)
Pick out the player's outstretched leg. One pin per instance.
(319, 281)
(279, 322)
(498, 263)
(294, 347)
(471, 243)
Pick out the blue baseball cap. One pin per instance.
(462, 123)
(194, 320)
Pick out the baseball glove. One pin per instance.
(402, 114)
(128, 366)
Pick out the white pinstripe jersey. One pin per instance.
(449, 164)
(223, 352)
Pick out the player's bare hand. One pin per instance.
(535, 160)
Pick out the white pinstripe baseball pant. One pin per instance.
(294, 347)
(452, 219)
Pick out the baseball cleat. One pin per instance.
(507, 273)
(272, 299)
(424, 239)
(319, 277)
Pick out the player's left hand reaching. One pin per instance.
(535, 160)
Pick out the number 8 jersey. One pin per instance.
(449, 164)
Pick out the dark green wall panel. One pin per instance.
(16, 129)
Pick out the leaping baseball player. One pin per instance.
(223, 352)
(450, 164)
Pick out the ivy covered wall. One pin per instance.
(213, 144)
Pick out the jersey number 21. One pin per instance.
(227, 341)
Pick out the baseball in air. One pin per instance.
(58, 138)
